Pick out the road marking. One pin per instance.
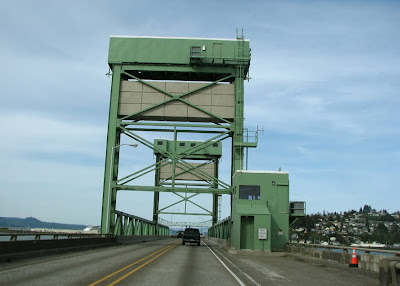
(130, 265)
(241, 271)
(141, 266)
(268, 272)
(226, 267)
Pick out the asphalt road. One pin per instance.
(167, 262)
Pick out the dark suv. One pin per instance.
(191, 235)
(179, 234)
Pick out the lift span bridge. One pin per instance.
(184, 88)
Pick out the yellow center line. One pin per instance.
(141, 266)
(126, 267)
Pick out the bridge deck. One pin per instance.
(167, 262)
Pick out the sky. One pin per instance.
(324, 89)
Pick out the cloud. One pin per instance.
(51, 167)
(324, 86)
(31, 132)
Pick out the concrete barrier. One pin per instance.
(341, 257)
(340, 260)
(370, 261)
(16, 250)
(389, 271)
(370, 264)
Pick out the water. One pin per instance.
(7, 237)
(359, 252)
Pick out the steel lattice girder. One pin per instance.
(174, 64)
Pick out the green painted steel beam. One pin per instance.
(182, 200)
(187, 69)
(187, 199)
(171, 130)
(111, 166)
(185, 125)
(186, 184)
(170, 189)
(196, 214)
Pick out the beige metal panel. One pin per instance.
(157, 111)
(195, 113)
(223, 100)
(130, 97)
(223, 111)
(176, 109)
(158, 84)
(218, 99)
(183, 174)
(131, 86)
(177, 87)
(193, 86)
(153, 98)
(199, 98)
(223, 89)
(127, 108)
(166, 168)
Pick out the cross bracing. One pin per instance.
(204, 98)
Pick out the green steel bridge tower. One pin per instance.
(189, 86)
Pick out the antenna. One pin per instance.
(262, 130)
(241, 37)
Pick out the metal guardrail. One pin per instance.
(347, 248)
(126, 224)
(221, 230)
(39, 235)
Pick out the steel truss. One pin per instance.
(185, 223)
(219, 128)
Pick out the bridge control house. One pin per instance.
(260, 210)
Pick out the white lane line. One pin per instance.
(268, 272)
(241, 271)
(226, 267)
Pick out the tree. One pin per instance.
(365, 237)
(394, 234)
(367, 209)
(387, 217)
(367, 223)
(381, 233)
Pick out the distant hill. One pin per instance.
(31, 222)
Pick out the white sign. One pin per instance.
(262, 233)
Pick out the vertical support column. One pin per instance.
(237, 149)
(215, 196)
(111, 162)
(156, 195)
(237, 138)
(174, 157)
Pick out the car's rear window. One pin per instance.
(192, 230)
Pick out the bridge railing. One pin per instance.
(370, 259)
(126, 224)
(347, 249)
(12, 235)
(221, 229)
